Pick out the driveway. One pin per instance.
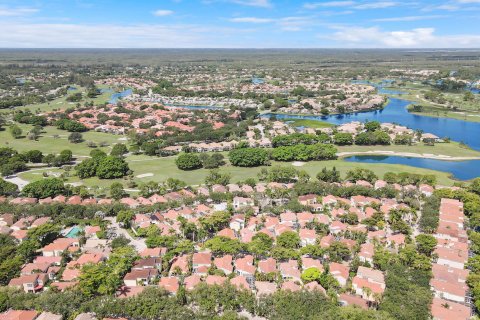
(138, 243)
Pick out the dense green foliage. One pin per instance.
(40, 189)
(302, 152)
(188, 161)
(248, 157)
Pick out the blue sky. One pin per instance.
(239, 24)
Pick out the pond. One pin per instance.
(396, 111)
(462, 170)
(194, 107)
(119, 95)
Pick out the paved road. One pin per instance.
(138, 243)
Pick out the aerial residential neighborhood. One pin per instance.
(239, 160)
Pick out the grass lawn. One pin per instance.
(308, 123)
(48, 144)
(466, 110)
(453, 149)
(159, 169)
(61, 103)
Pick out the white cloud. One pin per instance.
(15, 12)
(376, 5)
(468, 1)
(162, 13)
(328, 4)
(251, 20)
(286, 23)
(63, 35)
(254, 3)
(374, 37)
(408, 18)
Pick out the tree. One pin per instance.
(86, 169)
(65, 157)
(215, 222)
(34, 156)
(116, 190)
(282, 174)
(329, 175)
(261, 244)
(372, 126)
(7, 188)
(119, 242)
(175, 184)
(119, 150)
(15, 131)
(125, 217)
(426, 243)
(468, 96)
(224, 245)
(338, 251)
(475, 186)
(248, 157)
(104, 278)
(71, 125)
(211, 162)
(361, 174)
(112, 167)
(216, 177)
(75, 137)
(188, 161)
(44, 234)
(289, 240)
(343, 139)
(311, 274)
(50, 187)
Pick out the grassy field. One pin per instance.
(61, 103)
(48, 142)
(159, 169)
(308, 123)
(465, 110)
(453, 149)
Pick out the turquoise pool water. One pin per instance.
(74, 232)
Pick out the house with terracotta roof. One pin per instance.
(59, 246)
(366, 253)
(244, 267)
(170, 284)
(446, 310)
(340, 272)
(192, 281)
(30, 283)
(307, 237)
(19, 315)
(268, 265)
(148, 263)
(242, 202)
(180, 265)
(140, 277)
(201, 259)
(369, 278)
(308, 200)
(265, 288)
(289, 270)
(224, 263)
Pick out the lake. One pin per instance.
(462, 170)
(396, 111)
(119, 95)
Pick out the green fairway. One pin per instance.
(160, 169)
(308, 123)
(53, 140)
(62, 103)
(453, 149)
